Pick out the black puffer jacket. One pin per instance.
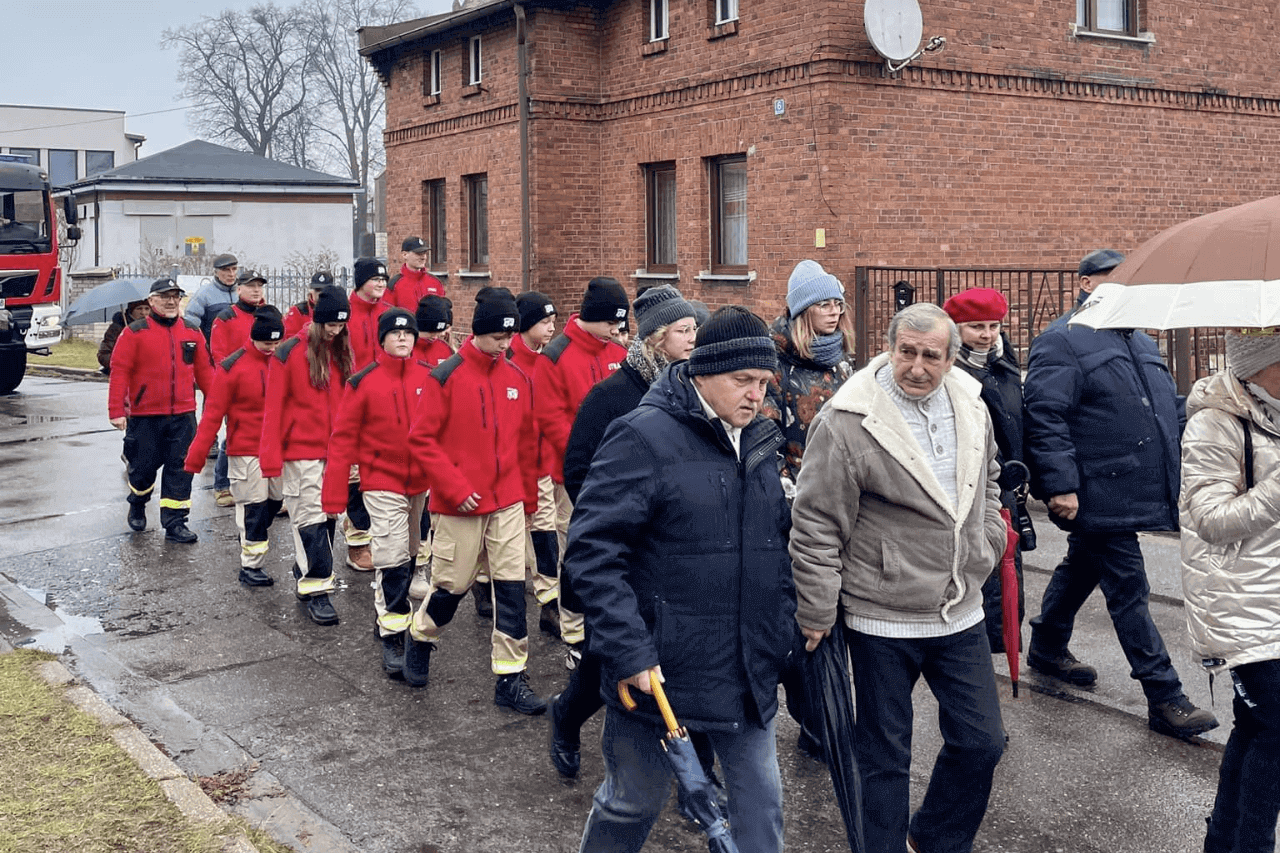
(609, 399)
(678, 551)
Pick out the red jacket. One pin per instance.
(297, 419)
(572, 363)
(363, 328)
(472, 434)
(156, 366)
(372, 430)
(238, 395)
(408, 287)
(528, 362)
(296, 318)
(231, 330)
(434, 353)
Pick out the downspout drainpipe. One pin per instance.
(522, 58)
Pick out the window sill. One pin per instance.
(430, 100)
(472, 90)
(468, 274)
(728, 28)
(733, 279)
(656, 276)
(1142, 38)
(442, 274)
(654, 47)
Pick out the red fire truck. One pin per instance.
(30, 278)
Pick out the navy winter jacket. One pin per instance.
(1103, 420)
(678, 551)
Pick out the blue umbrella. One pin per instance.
(100, 303)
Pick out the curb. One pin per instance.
(35, 368)
(189, 798)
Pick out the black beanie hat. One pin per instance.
(733, 339)
(604, 300)
(534, 308)
(332, 306)
(268, 325)
(396, 319)
(495, 312)
(367, 268)
(435, 313)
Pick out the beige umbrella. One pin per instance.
(1220, 270)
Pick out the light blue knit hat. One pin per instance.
(810, 283)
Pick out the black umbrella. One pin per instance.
(829, 697)
(699, 792)
(98, 304)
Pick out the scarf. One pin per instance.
(647, 361)
(981, 358)
(828, 349)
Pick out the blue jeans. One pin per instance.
(221, 482)
(1248, 801)
(637, 783)
(1112, 561)
(958, 670)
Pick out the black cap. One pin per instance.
(413, 244)
(332, 306)
(495, 312)
(250, 275)
(367, 268)
(321, 279)
(604, 300)
(395, 319)
(268, 325)
(534, 308)
(733, 339)
(225, 260)
(1103, 260)
(435, 313)
(164, 285)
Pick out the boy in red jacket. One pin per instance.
(239, 395)
(435, 317)
(571, 364)
(413, 281)
(367, 305)
(155, 367)
(372, 431)
(473, 441)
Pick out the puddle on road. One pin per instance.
(57, 640)
(29, 419)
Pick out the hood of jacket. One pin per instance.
(673, 391)
(1224, 392)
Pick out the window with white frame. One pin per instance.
(1108, 16)
(658, 15)
(726, 10)
(474, 66)
(433, 73)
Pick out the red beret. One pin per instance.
(976, 305)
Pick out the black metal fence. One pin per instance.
(1036, 297)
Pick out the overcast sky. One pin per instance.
(105, 54)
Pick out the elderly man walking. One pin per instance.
(677, 550)
(897, 523)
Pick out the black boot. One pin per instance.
(565, 748)
(417, 660)
(320, 609)
(483, 594)
(393, 655)
(512, 691)
(179, 532)
(549, 619)
(137, 517)
(256, 577)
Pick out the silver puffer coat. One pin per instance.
(1230, 537)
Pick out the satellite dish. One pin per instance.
(894, 27)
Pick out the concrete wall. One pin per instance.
(67, 129)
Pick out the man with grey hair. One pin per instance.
(896, 524)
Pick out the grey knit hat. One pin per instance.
(659, 306)
(1251, 350)
(733, 339)
(810, 283)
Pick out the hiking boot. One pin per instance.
(137, 517)
(256, 577)
(1064, 667)
(421, 583)
(360, 558)
(180, 533)
(483, 594)
(320, 609)
(565, 751)
(549, 619)
(393, 655)
(417, 660)
(512, 691)
(222, 497)
(809, 746)
(1179, 718)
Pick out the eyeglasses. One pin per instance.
(168, 297)
(836, 305)
(687, 329)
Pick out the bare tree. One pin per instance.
(248, 74)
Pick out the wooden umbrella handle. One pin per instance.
(659, 695)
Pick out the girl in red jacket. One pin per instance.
(304, 388)
(372, 431)
(239, 395)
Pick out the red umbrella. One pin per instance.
(1009, 599)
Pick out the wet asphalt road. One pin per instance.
(227, 678)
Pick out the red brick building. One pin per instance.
(714, 143)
